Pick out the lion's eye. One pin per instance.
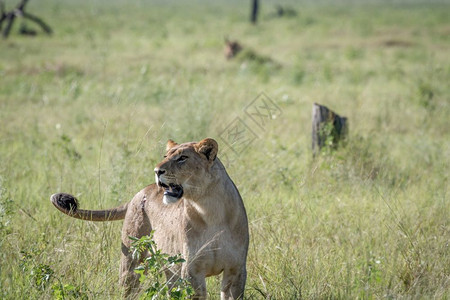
(182, 158)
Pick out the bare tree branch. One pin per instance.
(9, 19)
(2, 13)
(37, 20)
(19, 11)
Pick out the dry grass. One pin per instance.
(88, 110)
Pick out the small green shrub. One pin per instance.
(153, 268)
(62, 291)
(42, 276)
(331, 137)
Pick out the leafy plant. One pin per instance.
(153, 268)
(42, 276)
(61, 291)
(39, 274)
(330, 137)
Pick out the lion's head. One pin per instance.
(186, 169)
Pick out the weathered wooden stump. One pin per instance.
(254, 12)
(328, 128)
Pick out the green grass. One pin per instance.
(89, 109)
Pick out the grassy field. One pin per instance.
(89, 109)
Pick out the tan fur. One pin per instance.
(232, 48)
(207, 225)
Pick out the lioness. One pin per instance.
(194, 208)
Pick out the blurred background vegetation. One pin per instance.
(88, 110)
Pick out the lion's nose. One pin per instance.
(159, 171)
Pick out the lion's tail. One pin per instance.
(68, 204)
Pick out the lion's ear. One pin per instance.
(170, 145)
(208, 147)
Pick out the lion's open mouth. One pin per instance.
(172, 190)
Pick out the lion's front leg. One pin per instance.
(199, 285)
(136, 224)
(233, 284)
(128, 278)
(197, 280)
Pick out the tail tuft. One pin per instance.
(64, 201)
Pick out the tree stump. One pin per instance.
(254, 11)
(328, 128)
